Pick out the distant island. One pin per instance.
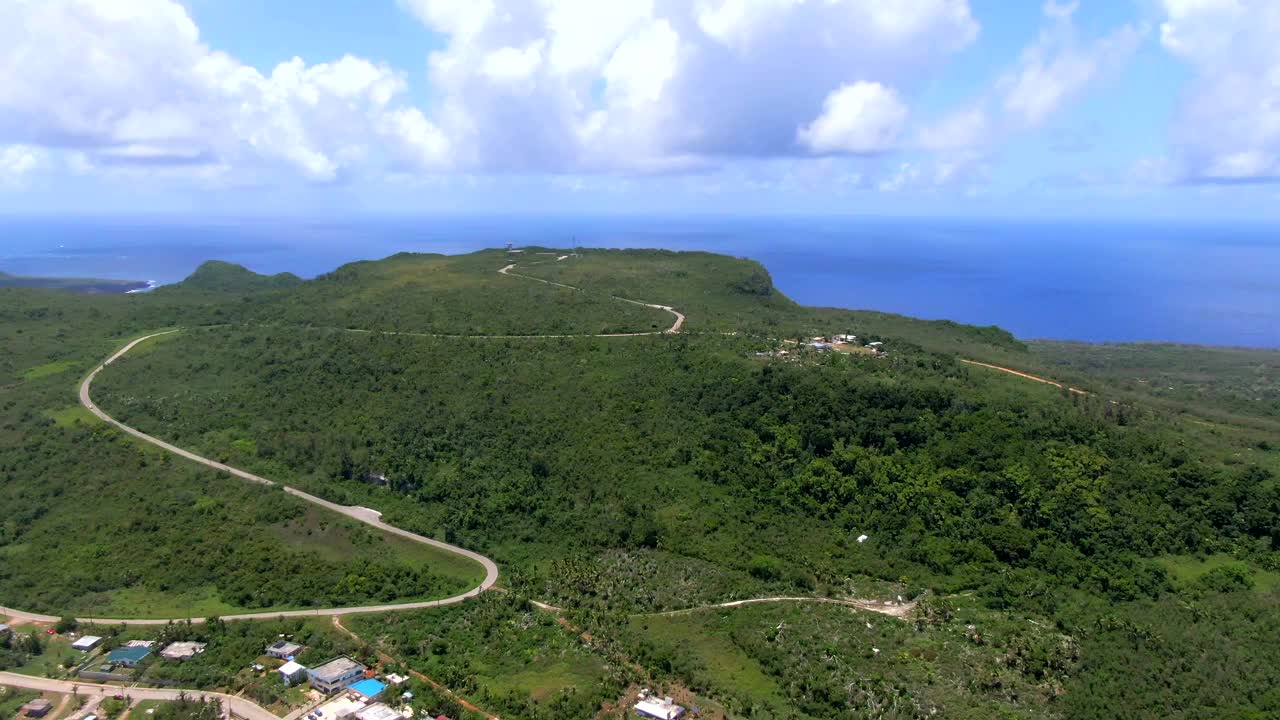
(89, 286)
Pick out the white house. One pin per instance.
(292, 673)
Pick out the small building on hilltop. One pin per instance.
(335, 675)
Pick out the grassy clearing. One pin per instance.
(72, 416)
(141, 602)
(341, 540)
(57, 651)
(1186, 570)
(48, 369)
(730, 668)
(818, 661)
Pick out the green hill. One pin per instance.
(1050, 534)
(223, 277)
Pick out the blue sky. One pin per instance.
(1117, 108)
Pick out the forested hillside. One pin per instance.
(1049, 536)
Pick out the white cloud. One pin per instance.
(654, 85)
(19, 160)
(131, 82)
(1228, 127)
(649, 86)
(1057, 68)
(860, 118)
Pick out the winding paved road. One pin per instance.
(240, 706)
(362, 514)
(675, 327)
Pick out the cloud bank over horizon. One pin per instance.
(846, 95)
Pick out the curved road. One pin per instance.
(675, 327)
(240, 706)
(364, 515)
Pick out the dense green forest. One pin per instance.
(1053, 537)
(97, 524)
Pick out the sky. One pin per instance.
(1163, 109)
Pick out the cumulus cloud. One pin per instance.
(559, 86)
(1228, 127)
(655, 85)
(131, 82)
(1057, 68)
(859, 118)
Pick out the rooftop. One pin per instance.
(340, 707)
(86, 641)
(128, 654)
(369, 688)
(336, 669)
(292, 668)
(379, 711)
(285, 647)
(659, 708)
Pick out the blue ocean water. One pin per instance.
(1096, 281)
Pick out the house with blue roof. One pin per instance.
(128, 656)
(369, 688)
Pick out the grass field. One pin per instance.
(1186, 570)
(68, 417)
(57, 650)
(49, 369)
(341, 540)
(729, 669)
(141, 602)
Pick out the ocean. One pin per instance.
(1095, 281)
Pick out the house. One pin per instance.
(657, 708)
(86, 643)
(140, 643)
(369, 688)
(284, 650)
(379, 711)
(292, 673)
(335, 675)
(820, 346)
(396, 680)
(128, 656)
(37, 708)
(182, 650)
